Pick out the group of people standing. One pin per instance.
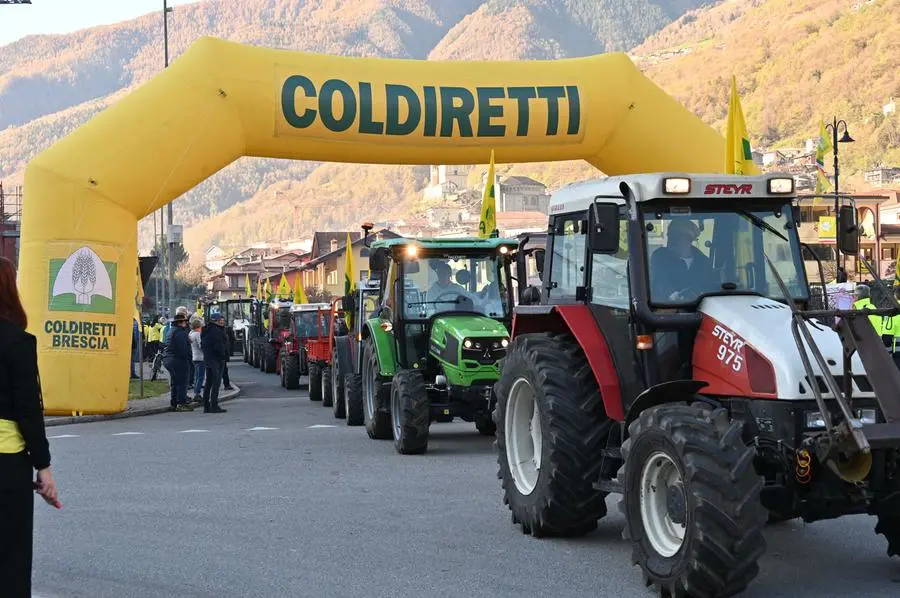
(195, 356)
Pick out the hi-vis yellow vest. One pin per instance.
(875, 320)
(11, 440)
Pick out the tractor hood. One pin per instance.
(462, 326)
(765, 325)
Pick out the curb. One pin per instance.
(85, 419)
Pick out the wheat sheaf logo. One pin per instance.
(82, 282)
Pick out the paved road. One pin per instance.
(262, 502)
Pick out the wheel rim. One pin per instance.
(660, 481)
(522, 427)
(368, 391)
(322, 384)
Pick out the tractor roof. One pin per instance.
(578, 196)
(310, 307)
(448, 244)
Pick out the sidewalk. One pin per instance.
(136, 408)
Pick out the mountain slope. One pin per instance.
(796, 61)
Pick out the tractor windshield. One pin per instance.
(282, 318)
(309, 323)
(446, 283)
(692, 253)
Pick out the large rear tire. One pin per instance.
(692, 501)
(315, 382)
(290, 370)
(353, 400)
(551, 427)
(338, 406)
(327, 397)
(270, 358)
(410, 412)
(376, 396)
(889, 526)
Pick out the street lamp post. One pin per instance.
(170, 211)
(835, 127)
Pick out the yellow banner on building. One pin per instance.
(827, 228)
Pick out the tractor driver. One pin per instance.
(443, 288)
(679, 271)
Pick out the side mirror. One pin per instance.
(531, 296)
(411, 267)
(604, 231)
(378, 260)
(848, 231)
(539, 261)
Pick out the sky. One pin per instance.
(65, 16)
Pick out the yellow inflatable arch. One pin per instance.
(221, 100)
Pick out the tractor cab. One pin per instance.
(438, 334)
(675, 337)
(237, 319)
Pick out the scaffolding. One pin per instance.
(10, 222)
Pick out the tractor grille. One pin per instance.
(485, 351)
(860, 383)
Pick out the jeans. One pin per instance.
(178, 381)
(199, 371)
(211, 388)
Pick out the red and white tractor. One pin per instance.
(674, 358)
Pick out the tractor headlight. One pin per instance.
(866, 416)
(781, 186)
(814, 421)
(467, 344)
(504, 343)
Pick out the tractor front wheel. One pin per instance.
(410, 412)
(281, 373)
(692, 501)
(270, 358)
(889, 526)
(327, 397)
(315, 382)
(551, 427)
(338, 408)
(353, 400)
(376, 396)
(290, 371)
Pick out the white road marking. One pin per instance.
(321, 426)
(259, 428)
(128, 434)
(191, 431)
(65, 436)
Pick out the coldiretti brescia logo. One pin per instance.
(393, 110)
(82, 282)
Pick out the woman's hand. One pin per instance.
(47, 487)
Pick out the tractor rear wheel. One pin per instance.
(353, 400)
(270, 358)
(315, 382)
(551, 427)
(245, 349)
(327, 397)
(338, 407)
(281, 373)
(290, 371)
(410, 412)
(376, 396)
(692, 501)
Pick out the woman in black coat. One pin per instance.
(23, 441)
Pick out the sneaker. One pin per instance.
(217, 410)
(184, 407)
(229, 387)
(197, 401)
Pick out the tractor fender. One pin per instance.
(342, 350)
(667, 392)
(384, 348)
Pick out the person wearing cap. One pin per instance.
(178, 354)
(679, 271)
(214, 342)
(443, 285)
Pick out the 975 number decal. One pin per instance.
(729, 348)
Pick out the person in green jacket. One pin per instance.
(863, 301)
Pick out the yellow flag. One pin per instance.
(139, 297)
(488, 223)
(249, 290)
(268, 290)
(299, 292)
(284, 289)
(259, 287)
(823, 147)
(738, 154)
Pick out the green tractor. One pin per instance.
(430, 351)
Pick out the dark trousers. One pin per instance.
(211, 388)
(16, 525)
(225, 378)
(178, 381)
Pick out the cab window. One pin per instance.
(566, 257)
